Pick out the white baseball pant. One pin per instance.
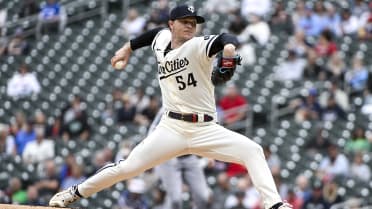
(173, 138)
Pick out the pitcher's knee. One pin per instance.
(130, 168)
(258, 148)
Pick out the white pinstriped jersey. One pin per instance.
(184, 74)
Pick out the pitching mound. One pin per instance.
(6, 206)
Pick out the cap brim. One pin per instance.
(199, 19)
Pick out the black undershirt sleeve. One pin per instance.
(144, 39)
(221, 41)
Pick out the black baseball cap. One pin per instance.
(183, 11)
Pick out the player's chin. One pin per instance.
(188, 36)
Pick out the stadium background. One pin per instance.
(75, 61)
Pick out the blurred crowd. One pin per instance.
(312, 53)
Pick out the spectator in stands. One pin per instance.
(257, 7)
(66, 168)
(325, 46)
(302, 188)
(330, 193)
(140, 99)
(319, 142)
(214, 6)
(308, 108)
(282, 187)
(359, 169)
(358, 141)
(3, 16)
(55, 129)
(239, 195)
(291, 69)
(357, 76)
(24, 136)
(77, 176)
(101, 158)
(308, 23)
(15, 191)
(48, 183)
(159, 16)
(113, 104)
(334, 164)
(365, 30)
(18, 44)
(52, 17)
(281, 21)
(17, 123)
(320, 16)
(75, 120)
(40, 119)
(7, 142)
(257, 31)
(349, 22)
(133, 24)
(250, 195)
(340, 96)
(28, 8)
(314, 67)
(148, 113)
(359, 7)
(297, 43)
(333, 19)
(124, 149)
(158, 196)
(298, 14)
(221, 192)
(316, 199)
(336, 67)
(3, 45)
(23, 83)
(134, 196)
(38, 150)
(237, 24)
(293, 199)
(332, 111)
(234, 105)
(272, 159)
(33, 196)
(127, 113)
(367, 104)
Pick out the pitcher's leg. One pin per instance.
(158, 147)
(222, 144)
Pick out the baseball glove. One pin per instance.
(225, 69)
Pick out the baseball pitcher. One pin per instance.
(188, 126)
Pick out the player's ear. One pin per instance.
(170, 24)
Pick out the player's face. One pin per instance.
(183, 29)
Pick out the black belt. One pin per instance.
(189, 117)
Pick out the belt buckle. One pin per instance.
(182, 116)
(200, 117)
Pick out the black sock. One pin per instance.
(276, 206)
(76, 191)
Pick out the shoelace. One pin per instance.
(69, 196)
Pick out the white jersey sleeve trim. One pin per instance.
(209, 45)
(156, 37)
